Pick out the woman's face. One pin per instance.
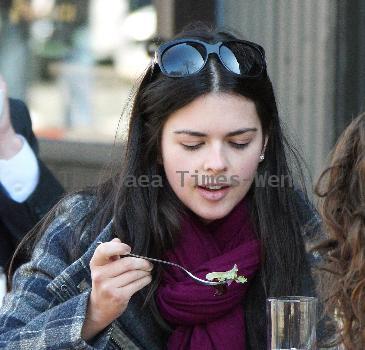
(217, 138)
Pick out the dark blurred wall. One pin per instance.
(315, 52)
(173, 15)
(350, 53)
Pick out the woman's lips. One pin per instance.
(213, 195)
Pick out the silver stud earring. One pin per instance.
(262, 157)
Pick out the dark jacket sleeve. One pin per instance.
(18, 218)
(33, 316)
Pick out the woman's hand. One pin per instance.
(114, 280)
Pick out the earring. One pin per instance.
(262, 157)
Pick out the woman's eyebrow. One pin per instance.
(200, 134)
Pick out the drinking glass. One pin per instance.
(291, 323)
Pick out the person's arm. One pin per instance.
(32, 316)
(38, 190)
(48, 190)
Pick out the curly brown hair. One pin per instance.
(342, 190)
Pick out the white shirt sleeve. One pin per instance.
(19, 175)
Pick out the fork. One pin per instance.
(195, 278)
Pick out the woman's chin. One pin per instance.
(208, 216)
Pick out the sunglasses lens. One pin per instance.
(182, 59)
(241, 59)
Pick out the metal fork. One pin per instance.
(195, 278)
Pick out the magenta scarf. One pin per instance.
(202, 320)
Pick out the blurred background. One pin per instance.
(75, 63)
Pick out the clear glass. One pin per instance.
(291, 323)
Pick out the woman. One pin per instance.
(197, 121)
(342, 188)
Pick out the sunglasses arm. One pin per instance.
(153, 62)
(154, 59)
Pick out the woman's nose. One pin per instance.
(216, 162)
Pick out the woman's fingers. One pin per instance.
(106, 252)
(125, 264)
(117, 297)
(133, 287)
(128, 278)
(115, 257)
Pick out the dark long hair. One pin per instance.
(147, 218)
(341, 188)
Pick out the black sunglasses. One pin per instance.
(183, 57)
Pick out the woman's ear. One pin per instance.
(262, 156)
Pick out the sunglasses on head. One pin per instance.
(184, 57)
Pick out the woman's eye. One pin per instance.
(233, 144)
(192, 147)
(239, 145)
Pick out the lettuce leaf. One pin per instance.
(228, 276)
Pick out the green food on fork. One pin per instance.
(228, 276)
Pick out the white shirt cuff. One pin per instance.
(19, 175)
